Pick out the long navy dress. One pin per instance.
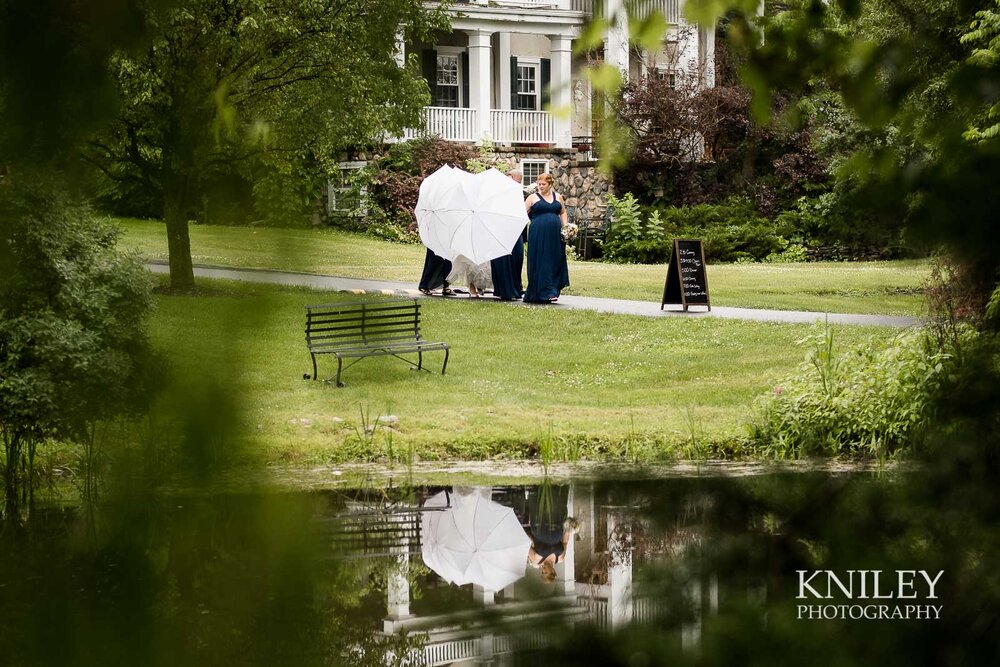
(436, 270)
(506, 272)
(548, 272)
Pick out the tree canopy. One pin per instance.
(244, 85)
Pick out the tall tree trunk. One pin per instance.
(178, 239)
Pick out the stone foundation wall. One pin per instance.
(576, 178)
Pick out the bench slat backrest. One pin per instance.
(362, 324)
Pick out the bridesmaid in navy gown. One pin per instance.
(548, 272)
(435, 274)
(436, 270)
(507, 269)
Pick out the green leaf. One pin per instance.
(604, 78)
(648, 32)
(705, 12)
(760, 101)
(851, 8)
(592, 36)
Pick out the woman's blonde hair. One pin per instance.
(547, 177)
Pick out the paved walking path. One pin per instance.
(619, 306)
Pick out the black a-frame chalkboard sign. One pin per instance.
(687, 282)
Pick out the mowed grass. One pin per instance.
(594, 386)
(887, 288)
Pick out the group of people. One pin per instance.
(548, 271)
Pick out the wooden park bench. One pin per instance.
(368, 329)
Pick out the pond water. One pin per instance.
(796, 567)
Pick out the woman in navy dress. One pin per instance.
(548, 272)
(507, 269)
(435, 274)
(436, 270)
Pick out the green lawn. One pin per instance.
(889, 288)
(603, 386)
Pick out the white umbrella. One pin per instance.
(433, 190)
(476, 541)
(476, 216)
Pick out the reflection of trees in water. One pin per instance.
(217, 580)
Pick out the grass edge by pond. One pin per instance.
(602, 387)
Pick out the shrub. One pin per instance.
(732, 231)
(792, 252)
(625, 218)
(392, 184)
(655, 230)
(73, 344)
(872, 402)
(833, 226)
(284, 198)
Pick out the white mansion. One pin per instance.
(506, 72)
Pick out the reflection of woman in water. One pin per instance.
(548, 548)
(550, 528)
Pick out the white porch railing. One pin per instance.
(560, 4)
(669, 8)
(589, 7)
(524, 640)
(448, 123)
(529, 3)
(444, 653)
(598, 609)
(506, 127)
(645, 610)
(522, 127)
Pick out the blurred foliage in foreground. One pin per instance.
(74, 352)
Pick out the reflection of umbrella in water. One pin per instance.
(476, 541)
(476, 216)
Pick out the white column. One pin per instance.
(485, 649)
(400, 55)
(483, 596)
(397, 593)
(616, 43)
(561, 93)
(691, 632)
(706, 57)
(619, 572)
(503, 55)
(566, 572)
(480, 77)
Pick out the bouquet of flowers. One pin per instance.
(569, 232)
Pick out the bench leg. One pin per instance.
(314, 365)
(340, 367)
(446, 353)
(420, 360)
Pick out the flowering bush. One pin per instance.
(392, 183)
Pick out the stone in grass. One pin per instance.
(301, 421)
(388, 419)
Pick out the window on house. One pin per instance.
(668, 75)
(531, 169)
(447, 90)
(527, 86)
(343, 197)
